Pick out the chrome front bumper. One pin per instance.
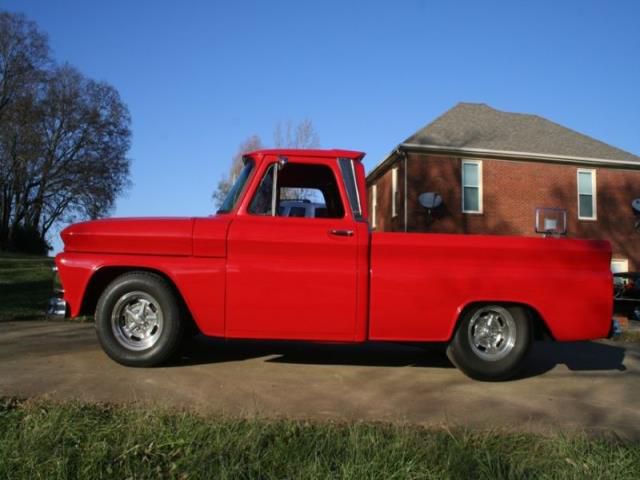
(57, 306)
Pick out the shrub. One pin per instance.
(27, 239)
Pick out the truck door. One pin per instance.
(293, 277)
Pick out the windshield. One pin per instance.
(234, 193)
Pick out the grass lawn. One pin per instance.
(45, 440)
(25, 286)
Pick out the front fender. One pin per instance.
(199, 281)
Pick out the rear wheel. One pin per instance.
(491, 341)
(138, 320)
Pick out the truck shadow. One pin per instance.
(577, 356)
(202, 350)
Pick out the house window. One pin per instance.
(374, 205)
(471, 186)
(394, 192)
(619, 265)
(587, 194)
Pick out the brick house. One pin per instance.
(493, 169)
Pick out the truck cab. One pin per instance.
(308, 274)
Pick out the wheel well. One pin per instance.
(540, 329)
(104, 276)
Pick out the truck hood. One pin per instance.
(141, 236)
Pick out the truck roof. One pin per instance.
(338, 153)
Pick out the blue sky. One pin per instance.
(201, 76)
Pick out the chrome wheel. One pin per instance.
(137, 321)
(492, 333)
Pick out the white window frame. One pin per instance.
(479, 186)
(620, 261)
(594, 193)
(394, 192)
(374, 204)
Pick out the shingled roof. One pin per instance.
(476, 129)
(476, 125)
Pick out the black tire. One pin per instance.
(157, 323)
(478, 354)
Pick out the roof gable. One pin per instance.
(478, 126)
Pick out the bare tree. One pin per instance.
(85, 131)
(20, 147)
(224, 184)
(24, 53)
(301, 135)
(69, 151)
(287, 135)
(63, 138)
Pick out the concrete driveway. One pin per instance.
(566, 387)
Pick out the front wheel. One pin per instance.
(138, 320)
(491, 341)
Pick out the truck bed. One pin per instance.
(439, 275)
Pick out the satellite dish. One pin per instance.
(430, 200)
(636, 205)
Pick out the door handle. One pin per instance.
(341, 233)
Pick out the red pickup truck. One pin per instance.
(251, 272)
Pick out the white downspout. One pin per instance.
(405, 190)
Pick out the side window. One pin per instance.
(294, 188)
(619, 265)
(472, 186)
(586, 194)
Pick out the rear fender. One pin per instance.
(541, 329)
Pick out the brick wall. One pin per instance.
(512, 190)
